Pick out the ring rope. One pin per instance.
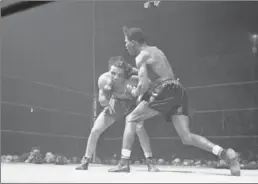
(223, 84)
(45, 109)
(178, 138)
(224, 110)
(119, 138)
(43, 134)
(87, 94)
(47, 85)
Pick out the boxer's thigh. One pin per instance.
(103, 121)
(179, 107)
(118, 108)
(170, 101)
(141, 113)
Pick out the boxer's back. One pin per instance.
(158, 66)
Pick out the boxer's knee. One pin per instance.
(187, 139)
(130, 128)
(96, 132)
(140, 113)
(132, 118)
(129, 118)
(139, 128)
(100, 126)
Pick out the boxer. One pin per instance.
(163, 95)
(112, 87)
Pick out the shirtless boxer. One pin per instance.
(163, 95)
(112, 87)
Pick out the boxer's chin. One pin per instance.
(131, 52)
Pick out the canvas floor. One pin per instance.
(28, 173)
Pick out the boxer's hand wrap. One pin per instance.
(131, 90)
(134, 92)
(134, 71)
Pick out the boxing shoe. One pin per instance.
(84, 164)
(122, 166)
(231, 158)
(151, 166)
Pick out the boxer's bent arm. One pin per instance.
(104, 96)
(143, 84)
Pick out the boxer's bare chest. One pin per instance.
(156, 64)
(119, 91)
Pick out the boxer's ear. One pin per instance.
(125, 30)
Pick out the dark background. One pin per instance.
(50, 54)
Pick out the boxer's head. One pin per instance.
(134, 39)
(119, 68)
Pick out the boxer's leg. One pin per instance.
(143, 137)
(144, 140)
(146, 146)
(181, 124)
(141, 113)
(102, 122)
(166, 98)
(180, 119)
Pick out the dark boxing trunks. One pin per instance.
(168, 98)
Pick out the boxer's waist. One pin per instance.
(121, 99)
(163, 83)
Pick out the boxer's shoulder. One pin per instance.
(105, 76)
(142, 57)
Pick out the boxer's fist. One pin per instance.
(130, 90)
(108, 84)
(108, 87)
(105, 82)
(133, 71)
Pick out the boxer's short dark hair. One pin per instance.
(119, 61)
(136, 34)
